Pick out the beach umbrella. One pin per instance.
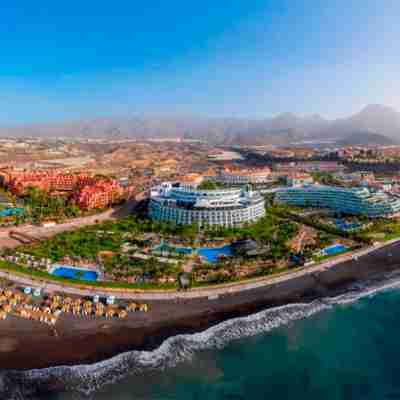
(7, 308)
(18, 296)
(110, 311)
(66, 308)
(99, 312)
(132, 307)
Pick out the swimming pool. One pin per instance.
(9, 212)
(212, 254)
(65, 271)
(347, 226)
(335, 249)
(165, 247)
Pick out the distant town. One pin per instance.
(179, 215)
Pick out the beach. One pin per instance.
(26, 344)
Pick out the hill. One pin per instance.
(365, 138)
(283, 129)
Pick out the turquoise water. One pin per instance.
(165, 247)
(73, 273)
(350, 352)
(347, 352)
(9, 212)
(212, 254)
(335, 249)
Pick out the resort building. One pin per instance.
(100, 195)
(363, 178)
(354, 201)
(19, 181)
(236, 177)
(309, 167)
(184, 204)
(298, 179)
(87, 191)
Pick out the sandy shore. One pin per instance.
(25, 344)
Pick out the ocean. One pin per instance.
(346, 347)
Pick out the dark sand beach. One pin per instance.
(26, 344)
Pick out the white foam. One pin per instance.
(88, 378)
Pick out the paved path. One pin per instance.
(210, 292)
(42, 232)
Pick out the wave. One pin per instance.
(84, 380)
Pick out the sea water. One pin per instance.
(346, 347)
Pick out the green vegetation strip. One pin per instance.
(284, 212)
(30, 273)
(44, 276)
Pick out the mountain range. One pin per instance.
(375, 124)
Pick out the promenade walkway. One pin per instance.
(211, 292)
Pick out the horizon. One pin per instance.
(169, 116)
(232, 60)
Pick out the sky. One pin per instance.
(68, 60)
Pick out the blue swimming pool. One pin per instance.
(9, 212)
(165, 247)
(335, 249)
(347, 226)
(212, 254)
(74, 273)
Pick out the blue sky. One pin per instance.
(64, 60)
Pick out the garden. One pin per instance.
(124, 249)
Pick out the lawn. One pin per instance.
(4, 265)
(383, 230)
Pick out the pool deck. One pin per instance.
(80, 289)
(211, 254)
(53, 267)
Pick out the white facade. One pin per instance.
(355, 201)
(243, 177)
(186, 205)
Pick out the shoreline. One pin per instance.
(27, 344)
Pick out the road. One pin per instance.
(126, 209)
(41, 232)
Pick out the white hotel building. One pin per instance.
(244, 176)
(184, 204)
(353, 201)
